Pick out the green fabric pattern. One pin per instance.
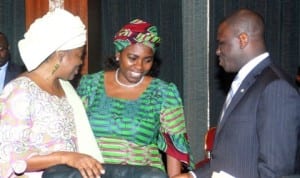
(132, 131)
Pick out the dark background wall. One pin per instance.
(12, 23)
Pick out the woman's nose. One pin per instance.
(139, 64)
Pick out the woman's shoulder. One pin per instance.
(91, 78)
(166, 89)
(167, 92)
(90, 82)
(18, 86)
(162, 84)
(20, 82)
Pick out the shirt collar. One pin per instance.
(4, 67)
(247, 68)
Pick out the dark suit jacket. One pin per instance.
(13, 70)
(257, 136)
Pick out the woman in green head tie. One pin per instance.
(133, 114)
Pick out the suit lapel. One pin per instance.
(245, 85)
(9, 73)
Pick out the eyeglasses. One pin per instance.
(3, 48)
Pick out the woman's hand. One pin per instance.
(87, 165)
(173, 166)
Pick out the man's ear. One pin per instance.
(244, 39)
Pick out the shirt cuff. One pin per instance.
(193, 174)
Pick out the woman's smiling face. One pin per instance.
(135, 62)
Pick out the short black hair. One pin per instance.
(4, 37)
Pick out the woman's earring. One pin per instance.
(117, 59)
(56, 66)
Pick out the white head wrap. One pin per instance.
(56, 30)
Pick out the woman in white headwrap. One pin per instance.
(43, 122)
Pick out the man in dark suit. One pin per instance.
(8, 70)
(258, 130)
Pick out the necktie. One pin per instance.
(234, 86)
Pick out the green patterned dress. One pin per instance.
(133, 131)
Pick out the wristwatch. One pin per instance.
(19, 167)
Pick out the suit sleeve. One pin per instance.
(277, 129)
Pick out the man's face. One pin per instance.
(228, 50)
(4, 53)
